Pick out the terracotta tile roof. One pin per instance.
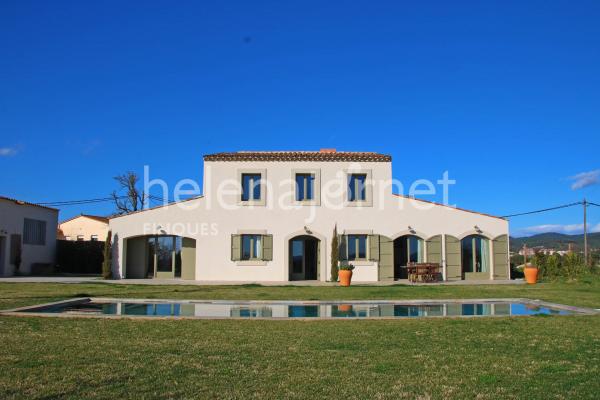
(322, 155)
(26, 203)
(95, 217)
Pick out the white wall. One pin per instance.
(212, 221)
(12, 216)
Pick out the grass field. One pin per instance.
(486, 358)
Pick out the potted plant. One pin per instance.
(531, 273)
(345, 274)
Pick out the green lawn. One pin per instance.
(486, 358)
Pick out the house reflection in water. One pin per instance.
(298, 310)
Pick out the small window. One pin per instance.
(34, 232)
(251, 187)
(94, 238)
(357, 247)
(80, 238)
(251, 247)
(357, 187)
(305, 187)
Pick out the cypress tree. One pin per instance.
(106, 263)
(335, 255)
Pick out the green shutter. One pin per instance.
(343, 245)
(386, 259)
(453, 263)
(501, 257)
(373, 247)
(236, 247)
(267, 247)
(434, 249)
(188, 259)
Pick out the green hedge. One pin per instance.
(570, 266)
(84, 257)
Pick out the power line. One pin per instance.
(75, 202)
(93, 201)
(161, 199)
(543, 210)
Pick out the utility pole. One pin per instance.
(585, 243)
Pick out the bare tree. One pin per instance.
(128, 197)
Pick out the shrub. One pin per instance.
(573, 266)
(346, 267)
(553, 265)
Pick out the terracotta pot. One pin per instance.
(345, 277)
(345, 307)
(530, 274)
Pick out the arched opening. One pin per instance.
(161, 257)
(407, 248)
(304, 258)
(475, 256)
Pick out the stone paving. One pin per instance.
(97, 279)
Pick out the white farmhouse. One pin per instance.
(27, 236)
(270, 216)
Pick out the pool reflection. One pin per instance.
(285, 310)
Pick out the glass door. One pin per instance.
(165, 249)
(297, 259)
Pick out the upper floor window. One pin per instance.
(357, 247)
(357, 187)
(80, 238)
(94, 238)
(251, 247)
(34, 231)
(305, 187)
(251, 187)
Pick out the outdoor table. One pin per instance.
(423, 272)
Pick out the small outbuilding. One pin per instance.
(84, 227)
(27, 236)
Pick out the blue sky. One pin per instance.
(503, 95)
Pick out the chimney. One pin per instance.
(327, 151)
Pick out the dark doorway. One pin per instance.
(407, 248)
(304, 258)
(2, 255)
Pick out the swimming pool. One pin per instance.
(102, 307)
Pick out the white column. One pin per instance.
(444, 275)
(118, 257)
(491, 259)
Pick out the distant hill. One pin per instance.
(556, 241)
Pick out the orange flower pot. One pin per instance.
(345, 277)
(530, 274)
